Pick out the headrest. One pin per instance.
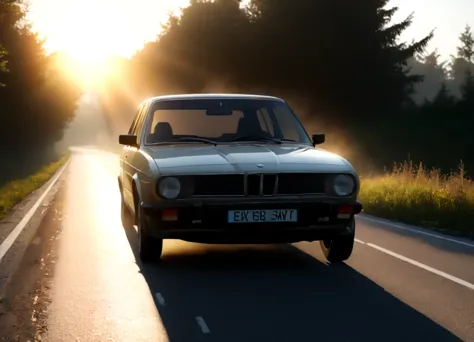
(246, 126)
(163, 131)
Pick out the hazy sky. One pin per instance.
(90, 28)
(121, 26)
(447, 17)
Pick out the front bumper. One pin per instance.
(206, 220)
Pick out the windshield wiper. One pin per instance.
(260, 138)
(286, 140)
(187, 139)
(254, 137)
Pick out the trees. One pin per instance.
(205, 43)
(316, 50)
(445, 121)
(37, 99)
(434, 75)
(466, 49)
(463, 61)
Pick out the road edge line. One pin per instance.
(442, 274)
(414, 229)
(11, 238)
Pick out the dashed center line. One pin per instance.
(200, 321)
(202, 324)
(159, 298)
(419, 264)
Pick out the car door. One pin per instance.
(126, 162)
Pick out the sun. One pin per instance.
(89, 32)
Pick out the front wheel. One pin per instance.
(339, 249)
(149, 248)
(128, 220)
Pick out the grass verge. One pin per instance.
(16, 191)
(414, 195)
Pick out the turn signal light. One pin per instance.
(169, 215)
(345, 211)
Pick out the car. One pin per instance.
(233, 169)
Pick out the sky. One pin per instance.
(447, 17)
(122, 26)
(104, 26)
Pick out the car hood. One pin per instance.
(239, 158)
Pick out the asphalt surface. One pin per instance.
(401, 284)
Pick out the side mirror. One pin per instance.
(128, 140)
(318, 138)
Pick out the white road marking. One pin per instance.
(398, 226)
(423, 266)
(10, 239)
(418, 264)
(160, 299)
(204, 328)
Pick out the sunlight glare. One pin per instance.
(91, 31)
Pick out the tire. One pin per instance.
(149, 248)
(339, 249)
(128, 220)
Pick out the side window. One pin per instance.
(141, 121)
(265, 121)
(134, 122)
(288, 125)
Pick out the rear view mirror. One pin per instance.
(128, 140)
(318, 138)
(220, 111)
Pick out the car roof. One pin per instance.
(212, 96)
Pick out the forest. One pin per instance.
(37, 98)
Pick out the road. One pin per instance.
(79, 272)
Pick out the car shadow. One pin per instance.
(274, 293)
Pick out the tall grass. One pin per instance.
(16, 191)
(412, 194)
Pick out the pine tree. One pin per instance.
(467, 88)
(434, 75)
(466, 50)
(463, 61)
(443, 98)
(396, 54)
(322, 51)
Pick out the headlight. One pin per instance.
(343, 185)
(169, 187)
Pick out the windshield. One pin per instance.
(224, 121)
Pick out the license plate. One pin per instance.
(251, 216)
